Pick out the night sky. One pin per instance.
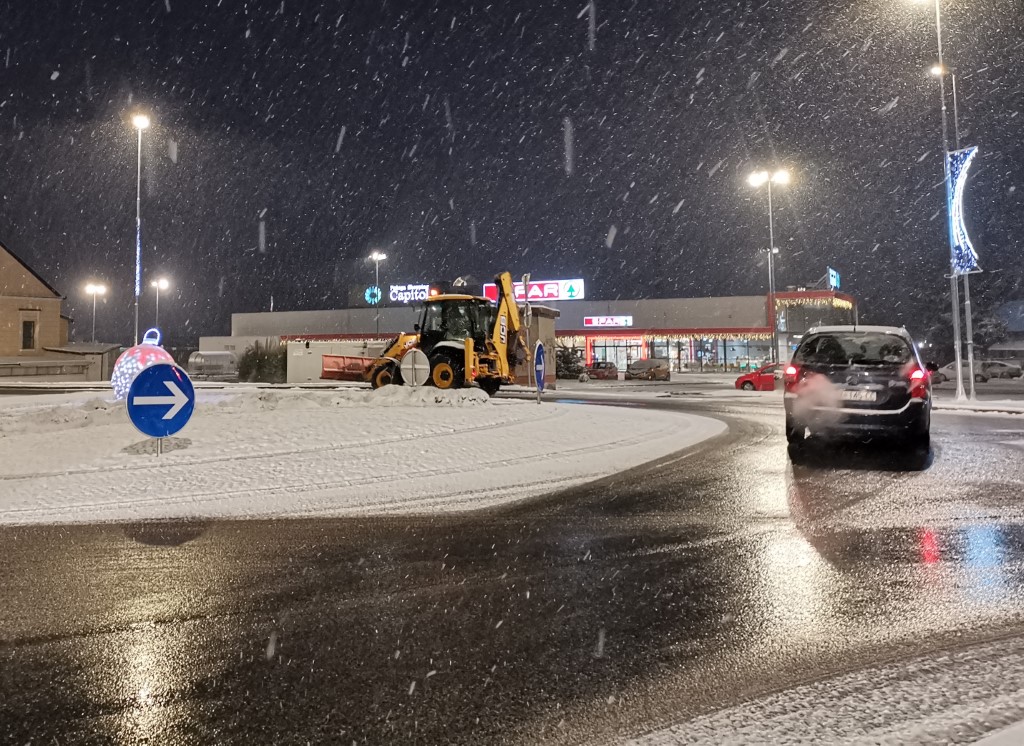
(465, 137)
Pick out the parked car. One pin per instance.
(948, 372)
(601, 371)
(762, 379)
(654, 369)
(863, 380)
(1000, 369)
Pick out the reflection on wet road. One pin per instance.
(591, 615)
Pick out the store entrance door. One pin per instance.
(622, 352)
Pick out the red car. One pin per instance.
(602, 371)
(762, 379)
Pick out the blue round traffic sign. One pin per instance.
(160, 400)
(539, 366)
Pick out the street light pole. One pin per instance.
(954, 288)
(771, 276)
(94, 290)
(140, 122)
(377, 258)
(159, 284)
(968, 315)
(756, 179)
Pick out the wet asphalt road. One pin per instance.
(587, 616)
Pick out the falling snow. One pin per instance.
(889, 106)
(570, 151)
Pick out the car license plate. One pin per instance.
(858, 395)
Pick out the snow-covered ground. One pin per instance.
(956, 697)
(258, 452)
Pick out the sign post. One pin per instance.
(539, 368)
(160, 401)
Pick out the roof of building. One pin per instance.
(85, 348)
(31, 271)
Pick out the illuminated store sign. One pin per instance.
(606, 321)
(540, 291)
(407, 293)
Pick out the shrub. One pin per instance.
(568, 362)
(264, 363)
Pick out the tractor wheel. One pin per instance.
(385, 375)
(446, 371)
(490, 386)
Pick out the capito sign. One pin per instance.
(541, 291)
(408, 293)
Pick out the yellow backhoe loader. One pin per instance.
(466, 338)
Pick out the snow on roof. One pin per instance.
(897, 330)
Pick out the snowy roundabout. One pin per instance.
(71, 458)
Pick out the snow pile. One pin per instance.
(49, 417)
(46, 417)
(291, 452)
(986, 406)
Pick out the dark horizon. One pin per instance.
(466, 139)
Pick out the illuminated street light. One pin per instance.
(939, 70)
(94, 290)
(139, 122)
(757, 179)
(161, 283)
(377, 257)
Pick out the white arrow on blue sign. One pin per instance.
(538, 366)
(161, 400)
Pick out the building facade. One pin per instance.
(30, 310)
(725, 333)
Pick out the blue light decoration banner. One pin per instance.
(963, 257)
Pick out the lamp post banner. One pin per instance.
(963, 257)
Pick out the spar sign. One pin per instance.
(606, 321)
(550, 290)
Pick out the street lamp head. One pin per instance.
(757, 178)
(140, 121)
(937, 71)
(161, 283)
(780, 177)
(378, 256)
(95, 289)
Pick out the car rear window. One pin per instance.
(854, 348)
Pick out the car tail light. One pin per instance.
(918, 383)
(790, 378)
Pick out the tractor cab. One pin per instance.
(454, 318)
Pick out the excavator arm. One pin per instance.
(507, 334)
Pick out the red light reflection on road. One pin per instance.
(929, 546)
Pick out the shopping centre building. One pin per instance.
(693, 333)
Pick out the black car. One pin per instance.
(859, 380)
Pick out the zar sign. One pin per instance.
(540, 291)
